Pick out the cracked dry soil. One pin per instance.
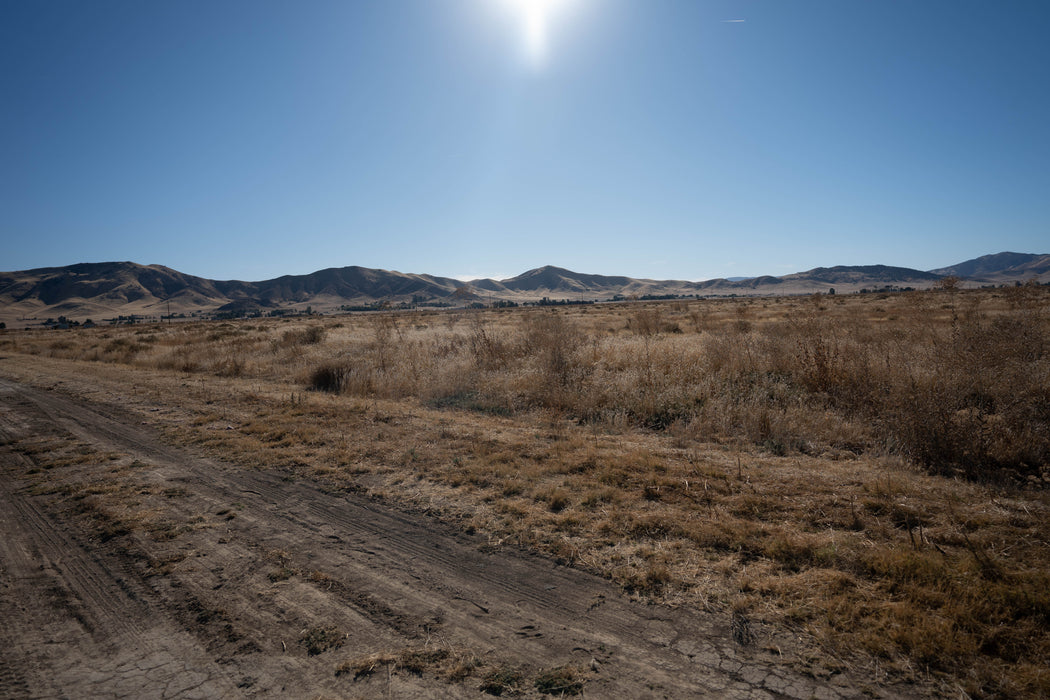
(249, 565)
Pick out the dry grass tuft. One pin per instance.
(318, 640)
(562, 682)
(447, 663)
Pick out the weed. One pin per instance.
(560, 681)
(416, 661)
(502, 680)
(281, 574)
(365, 665)
(318, 640)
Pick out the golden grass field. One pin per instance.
(869, 471)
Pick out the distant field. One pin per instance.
(868, 473)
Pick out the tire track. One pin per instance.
(71, 619)
(397, 569)
(100, 603)
(541, 588)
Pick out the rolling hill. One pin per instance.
(1001, 267)
(112, 289)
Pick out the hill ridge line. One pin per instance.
(129, 288)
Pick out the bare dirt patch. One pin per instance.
(135, 568)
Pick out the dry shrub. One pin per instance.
(552, 344)
(957, 382)
(233, 365)
(968, 394)
(973, 398)
(311, 335)
(357, 379)
(646, 321)
(328, 377)
(489, 350)
(182, 358)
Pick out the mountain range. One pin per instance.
(111, 289)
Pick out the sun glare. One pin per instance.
(536, 17)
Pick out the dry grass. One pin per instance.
(97, 487)
(456, 665)
(869, 471)
(451, 664)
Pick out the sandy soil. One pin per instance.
(255, 583)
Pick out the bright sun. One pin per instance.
(536, 17)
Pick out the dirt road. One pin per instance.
(132, 568)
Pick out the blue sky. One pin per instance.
(670, 139)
